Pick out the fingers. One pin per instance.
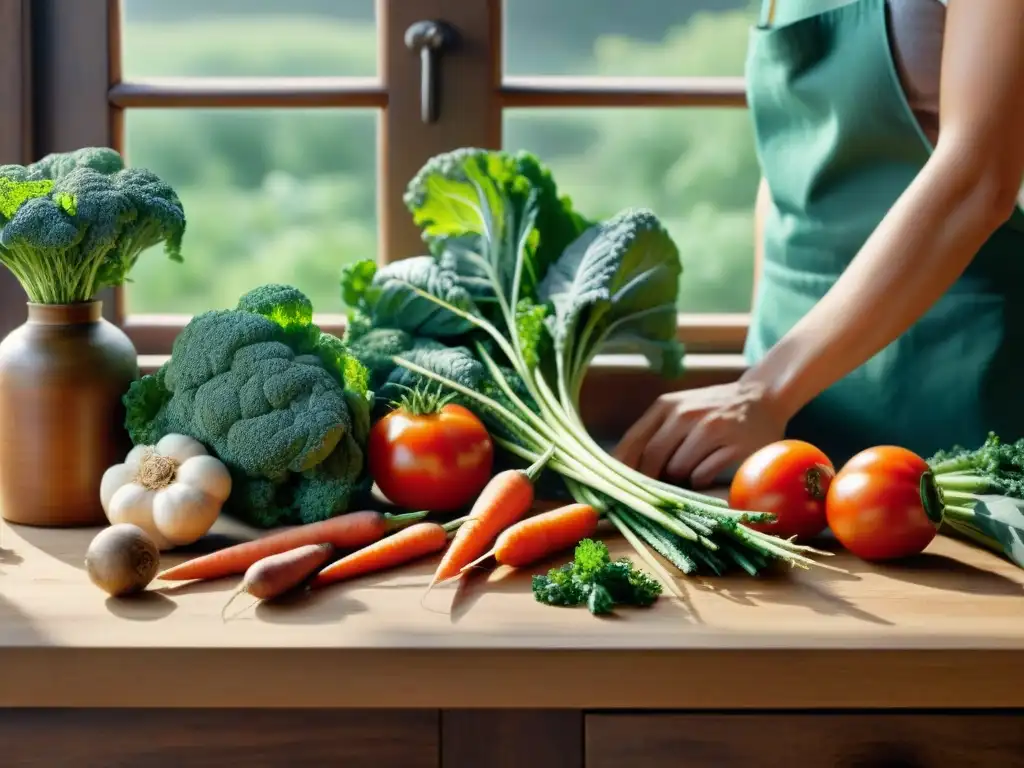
(704, 440)
(673, 430)
(632, 444)
(711, 468)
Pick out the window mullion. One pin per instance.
(15, 129)
(469, 112)
(71, 83)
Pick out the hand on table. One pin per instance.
(699, 433)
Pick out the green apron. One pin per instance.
(838, 144)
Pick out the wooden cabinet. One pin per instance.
(214, 738)
(806, 740)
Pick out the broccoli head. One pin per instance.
(279, 402)
(75, 223)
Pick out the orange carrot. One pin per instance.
(503, 501)
(349, 531)
(536, 537)
(274, 575)
(399, 548)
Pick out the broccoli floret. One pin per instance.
(273, 411)
(57, 164)
(75, 223)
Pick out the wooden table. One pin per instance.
(795, 669)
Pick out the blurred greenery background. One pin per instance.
(290, 195)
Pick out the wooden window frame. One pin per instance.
(79, 97)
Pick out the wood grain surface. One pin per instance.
(946, 629)
(805, 740)
(206, 739)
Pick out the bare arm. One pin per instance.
(963, 194)
(764, 198)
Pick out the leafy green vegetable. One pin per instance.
(524, 293)
(493, 204)
(75, 223)
(282, 404)
(592, 578)
(390, 299)
(982, 492)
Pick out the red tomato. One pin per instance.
(790, 479)
(433, 461)
(874, 506)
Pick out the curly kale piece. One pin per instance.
(279, 402)
(593, 579)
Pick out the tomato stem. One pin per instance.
(814, 480)
(931, 497)
(423, 401)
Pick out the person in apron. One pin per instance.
(889, 304)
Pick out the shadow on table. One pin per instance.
(18, 628)
(308, 607)
(146, 606)
(942, 572)
(782, 589)
(50, 542)
(10, 557)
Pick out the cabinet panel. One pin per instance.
(213, 738)
(805, 740)
(511, 738)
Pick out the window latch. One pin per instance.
(430, 39)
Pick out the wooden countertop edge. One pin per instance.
(453, 678)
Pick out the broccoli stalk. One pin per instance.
(75, 223)
(982, 494)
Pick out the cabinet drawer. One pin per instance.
(212, 738)
(805, 740)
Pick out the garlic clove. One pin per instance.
(113, 479)
(134, 457)
(180, 447)
(183, 513)
(133, 504)
(208, 474)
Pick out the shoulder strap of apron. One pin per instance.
(775, 12)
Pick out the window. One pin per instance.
(291, 127)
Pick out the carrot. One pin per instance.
(272, 576)
(536, 537)
(503, 501)
(349, 531)
(399, 548)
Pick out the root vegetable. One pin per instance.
(350, 531)
(536, 537)
(503, 501)
(122, 559)
(273, 576)
(399, 548)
